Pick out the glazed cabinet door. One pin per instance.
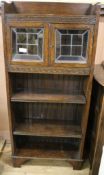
(27, 43)
(71, 45)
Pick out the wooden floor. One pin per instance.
(37, 167)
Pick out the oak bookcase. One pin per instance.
(49, 56)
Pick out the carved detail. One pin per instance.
(55, 19)
(49, 70)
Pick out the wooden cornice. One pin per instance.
(101, 11)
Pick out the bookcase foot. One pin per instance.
(77, 165)
(17, 162)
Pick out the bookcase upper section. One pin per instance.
(50, 34)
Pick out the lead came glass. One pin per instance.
(27, 43)
(71, 46)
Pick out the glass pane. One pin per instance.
(65, 50)
(27, 43)
(71, 45)
(76, 50)
(32, 49)
(32, 39)
(66, 39)
(21, 38)
(77, 39)
(21, 49)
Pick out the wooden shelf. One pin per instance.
(48, 154)
(48, 128)
(53, 98)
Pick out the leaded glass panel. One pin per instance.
(27, 43)
(71, 45)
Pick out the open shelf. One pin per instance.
(53, 115)
(48, 88)
(48, 128)
(40, 97)
(48, 83)
(43, 147)
(48, 154)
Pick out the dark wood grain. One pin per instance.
(40, 146)
(49, 8)
(47, 154)
(82, 19)
(50, 70)
(7, 10)
(57, 112)
(48, 128)
(48, 87)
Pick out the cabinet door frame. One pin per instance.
(71, 26)
(25, 24)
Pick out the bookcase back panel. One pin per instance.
(31, 112)
(56, 84)
(23, 142)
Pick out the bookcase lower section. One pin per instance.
(47, 148)
(47, 113)
(47, 116)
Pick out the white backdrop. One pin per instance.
(101, 169)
